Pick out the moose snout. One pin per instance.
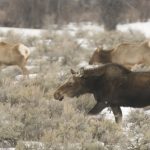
(58, 96)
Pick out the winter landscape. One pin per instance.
(31, 119)
(33, 114)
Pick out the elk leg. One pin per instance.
(25, 71)
(0, 66)
(117, 113)
(97, 108)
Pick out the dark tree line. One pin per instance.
(39, 13)
(111, 11)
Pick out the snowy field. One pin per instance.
(73, 29)
(143, 27)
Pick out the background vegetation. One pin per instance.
(31, 118)
(41, 13)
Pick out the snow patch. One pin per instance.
(143, 27)
(84, 43)
(7, 148)
(23, 31)
(107, 113)
(21, 77)
(83, 64)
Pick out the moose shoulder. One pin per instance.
(112, 86)
(126, 54)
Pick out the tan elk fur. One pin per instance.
(14, 54)
(126, 54)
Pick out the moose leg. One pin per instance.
(97, 108)
(117, 113)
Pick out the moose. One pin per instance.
(14, 54)
(112, 85)
(126, 54)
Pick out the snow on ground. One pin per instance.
(21, 77)
(90, 28)
(7, 148)
(73, 29)
(83, 42)
(23, 31)
(143, 27)
(107, 113)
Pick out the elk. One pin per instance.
(126, 54)
(14, 54)
(112, 85)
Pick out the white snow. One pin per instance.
(31, 76)
(33, 145)
(23, 31)
(88, 27)
(109, 114)
(143, 27)
(83, 64)
(73, 29)
(7, 148)
(83, 42)
(31, 67)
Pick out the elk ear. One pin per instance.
(72, 71)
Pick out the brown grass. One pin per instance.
(30, 113)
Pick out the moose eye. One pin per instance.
(70, 84)
(83, 77)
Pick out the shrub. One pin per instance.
(139, 130)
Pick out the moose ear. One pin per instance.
(81, 72)
(99, 48)
(72, 71)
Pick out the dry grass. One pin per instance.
(30, 113)
(113, 38)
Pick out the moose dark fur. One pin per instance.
(112, 86)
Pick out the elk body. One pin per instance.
(125, 54)
(14, 54)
